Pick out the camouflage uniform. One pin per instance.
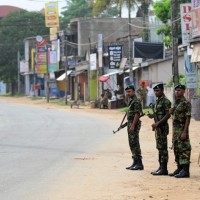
(142, 92)
(182, 148)
(162, 107)
(134, 107)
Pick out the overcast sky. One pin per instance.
(32, 5)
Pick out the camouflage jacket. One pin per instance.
(182, 109)
(135, 106)
(142, 92)
(162, 106)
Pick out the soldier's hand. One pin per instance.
(131, 130)
(171, 111)
(155, 125)
(183, 136)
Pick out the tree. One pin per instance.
(75, 9)
(182, 80)
(162, 10)
(13, 30)
(100, 6)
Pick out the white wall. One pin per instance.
(162, 71)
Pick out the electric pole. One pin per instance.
(145, 22)
(175, 71)
(18, 72)
(89, 51)
(130, 44)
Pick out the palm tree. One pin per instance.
(99, 6)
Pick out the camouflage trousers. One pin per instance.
(161, 143)
(134, 142)
(182, 148)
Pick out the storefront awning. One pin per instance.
(81, 66)
(134, 68)
(112, 73)
(195, 53)
(103, 78)
(62, 77)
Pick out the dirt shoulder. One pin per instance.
(102, 174)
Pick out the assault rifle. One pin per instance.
(122, 125)
(155, 117)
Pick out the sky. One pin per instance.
(32, 5)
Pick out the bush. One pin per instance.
(182, 80)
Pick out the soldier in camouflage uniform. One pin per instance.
(142, 93)
(133, 128)
(161, 128)
(181, 143)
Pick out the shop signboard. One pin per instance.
(190, 73)
(186, 21)
(115, 56)
(51, 14)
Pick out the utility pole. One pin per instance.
(145, 24)
(48, 76)
(66, 78)
(89, 39)
(130, 44)
(18, 69)
(175, 71)
(34, 71)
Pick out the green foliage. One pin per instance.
(75, 9)
(166, 30)
(124, 109)
(14, 29)
(103, 6)
(147, 111)
(182, 80)
(99, 6)
(110, 12)
(162, 10)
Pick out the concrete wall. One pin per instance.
(112, 29)
(162, 71)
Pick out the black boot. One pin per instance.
(179, 168)
(159, 160)
(162, 171)
(184, 173)
(138, 166)
(134, 163)
(156, 170)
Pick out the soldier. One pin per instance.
(161, 128)
(133, 128)
(142, 93)
(181, 143)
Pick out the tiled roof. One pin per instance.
(5, 10)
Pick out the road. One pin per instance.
(43, 158)
(38, 145)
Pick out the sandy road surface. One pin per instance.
(101, 175)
